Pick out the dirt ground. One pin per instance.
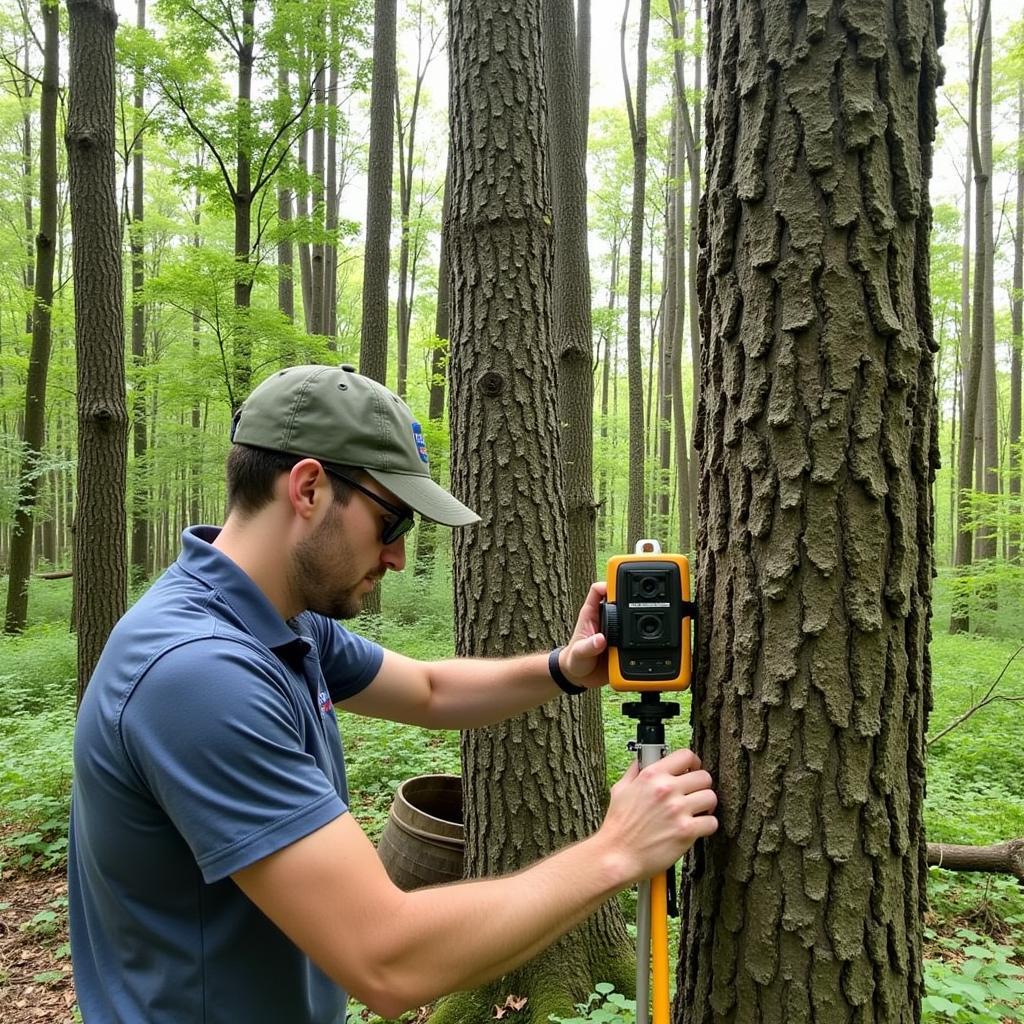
(35, 964)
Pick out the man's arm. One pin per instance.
(329, 893)
(467, 693)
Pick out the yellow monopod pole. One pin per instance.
(649, 652)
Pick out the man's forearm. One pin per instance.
(468, 693)
(461, 936)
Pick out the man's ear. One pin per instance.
(306, 485)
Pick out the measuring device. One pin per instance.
(646, 620)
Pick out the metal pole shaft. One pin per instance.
(647, 754)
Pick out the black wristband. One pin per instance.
(559, 676)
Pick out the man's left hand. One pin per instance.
(583, 660)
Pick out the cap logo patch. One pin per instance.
(421, 442)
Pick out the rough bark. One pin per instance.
(527, 786)
(638, 135)
(817, 439)
(99, 547)
(34, 434)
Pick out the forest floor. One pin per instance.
(35, 964)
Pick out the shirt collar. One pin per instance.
(201, 560)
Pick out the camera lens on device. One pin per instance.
(649, 626)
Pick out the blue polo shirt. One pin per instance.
(206, 741)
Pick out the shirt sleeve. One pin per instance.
(349, 661)
(214, 732)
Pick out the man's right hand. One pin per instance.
(657, 813)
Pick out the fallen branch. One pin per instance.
(54, 575)
(1002, 858)
(989, 697)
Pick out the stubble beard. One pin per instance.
(321, 564)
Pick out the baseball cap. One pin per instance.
(338, 415)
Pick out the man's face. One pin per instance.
(339, 563)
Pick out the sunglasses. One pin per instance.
(398, 522)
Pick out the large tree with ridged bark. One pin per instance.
(528, 786)
(816, 433)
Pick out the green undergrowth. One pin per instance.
(975, 936)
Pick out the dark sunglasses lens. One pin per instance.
(396, 528)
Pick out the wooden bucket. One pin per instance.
(422, 843)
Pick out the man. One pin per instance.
(214, 872)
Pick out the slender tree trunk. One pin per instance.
(638, 134)
(196, 459)
(583, 34)
(285, 248)
(302, 211)
(506, 463)
(1017, 313)
(34, 436)
(99, 549)
(28, 169)
(373, 348)
(427, 538)
(241, 370)
(373, 345)
(817, 439)
(959, 620)
(989, 478)
(140, 559)
(571, 328)
(683, 503)
(331, 211)
(319, 154)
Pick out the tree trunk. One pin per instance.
(571, 328)
(99, 547)
(319, 154)
(818, 446)
(583, 67)
(241, 370)
(34, 436)
(140, 488)
(331, 210)
(285, 249)
(373, 347)
(427, 533)
(506, 464)
(989, 478)
(373, 343)
(959, 619)
(638, 134)
(1017, 314)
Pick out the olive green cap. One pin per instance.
(335, 414)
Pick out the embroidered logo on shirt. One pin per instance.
(325, 702)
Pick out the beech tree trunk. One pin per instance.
(527, 785)
(34, 435)
(817, 441)
(100, 522)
